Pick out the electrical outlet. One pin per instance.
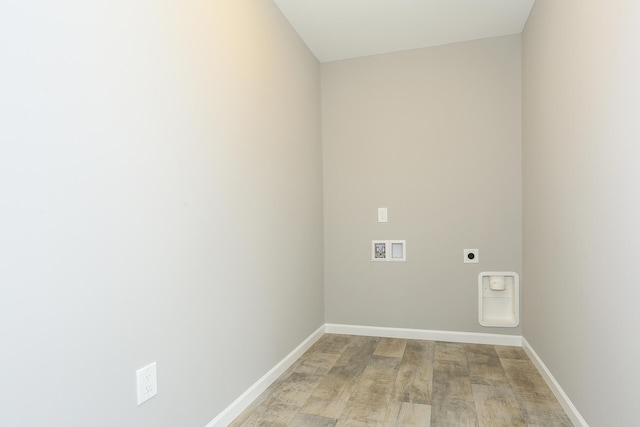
(471, 256)
(147, 382)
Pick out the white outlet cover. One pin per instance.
(147, 380)
(471, 256)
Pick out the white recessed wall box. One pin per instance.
(388, 250)
(499, 299)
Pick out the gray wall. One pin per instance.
(160, 182)
(581, 151)
(433, 135)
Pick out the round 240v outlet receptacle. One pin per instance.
(471, 256)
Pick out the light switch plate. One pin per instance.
(382, 214)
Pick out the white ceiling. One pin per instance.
(341, 29)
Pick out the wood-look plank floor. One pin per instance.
(352, 381)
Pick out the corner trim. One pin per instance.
(562, 397)
(230, 413)
(424, 334)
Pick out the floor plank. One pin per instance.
(415, 376)
(285, 402)
(390, 347)
(317, 363)
(452, 401)
(371, 394)
(332, 394)
(305, 420)
(453, 412)
(537, 403)
(450, 351)
(484, 365)
(403, 414)
(496, 406)
(508, 352)
(331, 343)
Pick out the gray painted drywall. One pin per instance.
(433, 135)
(161, 200)
(581, 128)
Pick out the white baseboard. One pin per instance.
(232, 411)
(562, 397)
(225, 417)
(425, 334)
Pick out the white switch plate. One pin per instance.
(471, 256)
(382, 214)
(147, 380)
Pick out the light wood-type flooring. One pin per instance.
(345, 380)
